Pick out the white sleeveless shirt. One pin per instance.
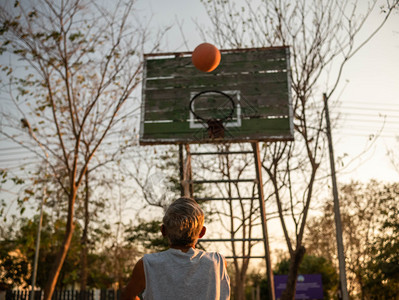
(194, 275)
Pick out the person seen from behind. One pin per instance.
(182, 271)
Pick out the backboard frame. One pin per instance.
(183, 60)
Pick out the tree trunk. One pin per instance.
(239, 292)
(83, 257)
(83, 266)
(296, 259)
(59, 261)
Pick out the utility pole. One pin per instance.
(39, 229)
(25, 124)
(258, 167)
(337, 214)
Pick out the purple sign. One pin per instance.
(308, 286)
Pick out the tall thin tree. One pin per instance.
(80, 65)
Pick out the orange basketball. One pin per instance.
(206, 57)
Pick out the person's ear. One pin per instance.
(163, 230)
(202, 233)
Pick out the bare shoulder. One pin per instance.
(136, 283)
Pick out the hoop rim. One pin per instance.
(217, 92)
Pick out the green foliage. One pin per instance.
(24, 243)
(14, 267)
(381, 276)
(314, 265)
(99, 275)
(148, 235)
(17, 248)
(369, 213)
(257, 283)
(169, 164)
(310, 265)
(5, 178)
(52, 234)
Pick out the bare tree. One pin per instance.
(322, 36)
(78, 65)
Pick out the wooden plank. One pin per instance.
(261, 127)
(229, 56)
(224, 68)
(250, 93)
(246, 91)
(249, 106)
(163, 141)
(250, 61)
(174, 128)
(246, 112)
(226, 57)
(216, 80)
(256, 107)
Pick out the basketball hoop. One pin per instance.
(215, 126)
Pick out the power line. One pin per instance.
(381, 122)
(377, 114)
(362, 103)
(365, 135)
(370, 108)
(385, 119)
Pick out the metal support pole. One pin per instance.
(181, 169)
(186, 186)
(270, 278)
(189, 172)
(337, 214)
(36, 258)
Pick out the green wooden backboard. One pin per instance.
(256, 82)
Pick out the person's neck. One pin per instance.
(183, 248)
